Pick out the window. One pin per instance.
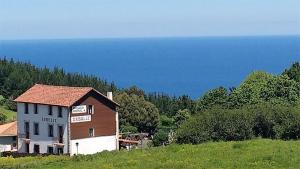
(60, 150)
(50, 150)
(36, 148)
(35, 109)
(14, 138)
(36, 128)
(26, 128)
(50, 130)
(90, 109)
(27, 147)
(91, 132)
(50, 111)
(26, 108)
(59, 111)
(60, 133)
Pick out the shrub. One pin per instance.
(217, 124)
(160, 138)
(277, 121)
(264, 120)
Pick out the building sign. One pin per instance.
(79, 109)
(47, 119)
(79, 119)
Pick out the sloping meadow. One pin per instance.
(258, 153)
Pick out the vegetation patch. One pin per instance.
(258, 153)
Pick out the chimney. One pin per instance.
(110, 95)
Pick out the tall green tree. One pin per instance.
(136, 111)
(293, 72)
(216, 97)
(261, 87)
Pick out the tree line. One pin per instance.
(263, 105)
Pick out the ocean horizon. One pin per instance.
(175, 66)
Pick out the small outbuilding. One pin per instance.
(8, 137)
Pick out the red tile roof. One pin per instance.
(55, 95)
(9, 129)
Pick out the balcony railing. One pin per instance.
(25, 137)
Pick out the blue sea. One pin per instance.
(174, 66)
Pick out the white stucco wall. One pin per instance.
(6, 143)
(93, 145)
(42, 139)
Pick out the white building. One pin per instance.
(66, 120)
(8, 137)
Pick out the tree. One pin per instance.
(137, 112)
(135, 90)
(215, 97)
(2, 117)
(181, 116)
(293, 72)
(260, 87)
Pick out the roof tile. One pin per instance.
(9, 129)
(53, 95)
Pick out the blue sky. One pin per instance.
(43, 19)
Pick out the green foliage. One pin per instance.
(258, 153)
(160, 138)
(1, 98)
(7, 115)
(167, 122)
(181, 116)
(135, 90)
(261, 87)
(293, 72)
(170, 105)
(138, 112)
(215, 97)
(250, 91)
(3, 118)
(128, 129)
(217, 124)
(263, 120)
(276, 121)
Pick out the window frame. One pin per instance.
(34, 148)
(27, 148)
(48, 148)
(50, 132)
(35, 109)
(93, 132)
(27, 129)
(26, 108)
(50, 110)
(59, 112)
(92, 109)
(36, 131)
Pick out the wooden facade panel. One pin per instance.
(103, 120)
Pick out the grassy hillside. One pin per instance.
(248, 154)
(11, 115)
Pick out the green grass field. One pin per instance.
(247, 154)
(11, 115)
